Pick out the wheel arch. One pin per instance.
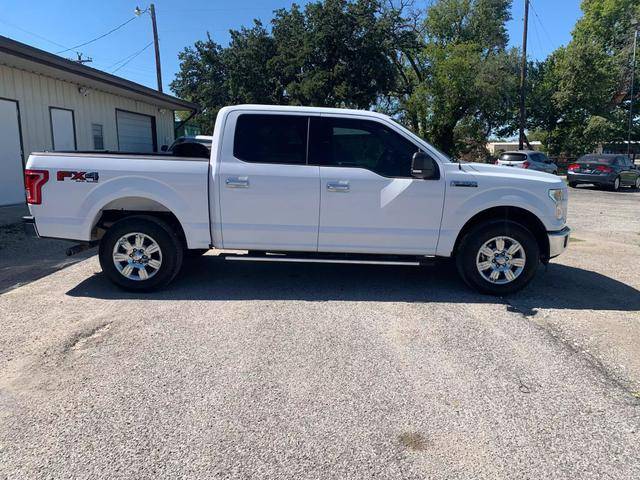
(124, 207)
(508, 213)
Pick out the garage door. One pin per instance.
(11, 176)
(136, 133)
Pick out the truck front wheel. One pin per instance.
(141, 253)
(498, 258)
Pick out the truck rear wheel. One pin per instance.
(141, 253)
(498, 258)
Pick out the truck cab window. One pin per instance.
(271, 139)
(342, 142)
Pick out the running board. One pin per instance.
(282, 258)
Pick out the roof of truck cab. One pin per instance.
(300, 109)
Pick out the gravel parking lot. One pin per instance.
(245, 370)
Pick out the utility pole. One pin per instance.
(523, 76)
(633, 79)
(152, 13)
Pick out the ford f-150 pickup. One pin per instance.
(300, 184)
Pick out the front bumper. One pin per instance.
(29, 225)
(558, 241)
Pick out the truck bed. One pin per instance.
(83, 185)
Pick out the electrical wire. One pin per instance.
(541, 23)
(98, 38)
(32, 33)
(131, 57)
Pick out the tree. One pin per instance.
(332, 54)
(460, 82)
(202, 80)
(580, 94)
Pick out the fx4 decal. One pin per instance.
(91, 177)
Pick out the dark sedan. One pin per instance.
(604, 170)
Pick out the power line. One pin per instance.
(34, 34)
(131, 57)
(98, 38)
(541, 24)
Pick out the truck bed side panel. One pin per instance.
(70, 208)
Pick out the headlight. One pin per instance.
(559, 197)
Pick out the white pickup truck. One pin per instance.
(300, 184)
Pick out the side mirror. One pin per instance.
(164, 148)
(423, 166)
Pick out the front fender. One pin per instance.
(460, 207)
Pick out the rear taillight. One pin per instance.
(604, 169)
(33, 181)
(525, 164)
(573, 166)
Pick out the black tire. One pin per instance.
(163, 234)
(472, 242)
(555, 172)
(573, 184)
(615, 188)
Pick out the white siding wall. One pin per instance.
(36, 93)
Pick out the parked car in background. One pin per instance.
(604, 170)
(530, 159)
(202, 139)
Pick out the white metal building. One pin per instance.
(50, 103)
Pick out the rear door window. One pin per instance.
(271, 139)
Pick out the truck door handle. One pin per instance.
(341, 186)
(237, 182)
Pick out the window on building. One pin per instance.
(271, 139)
(98, 137)
(343, 142)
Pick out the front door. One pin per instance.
(269, 196)
(369, 203)
(11, 174)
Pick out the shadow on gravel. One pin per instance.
(24, 259)
(211, 278)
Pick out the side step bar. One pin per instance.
(414, 262)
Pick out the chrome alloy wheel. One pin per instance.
(137, 256)
(501, 260)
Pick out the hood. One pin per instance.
(510, 172)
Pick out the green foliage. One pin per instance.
(333, 53)
(580, 94)
(464, 81)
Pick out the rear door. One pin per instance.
(269, 196)
(369, 202)
(627, 175)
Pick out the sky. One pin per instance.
(56, 25)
